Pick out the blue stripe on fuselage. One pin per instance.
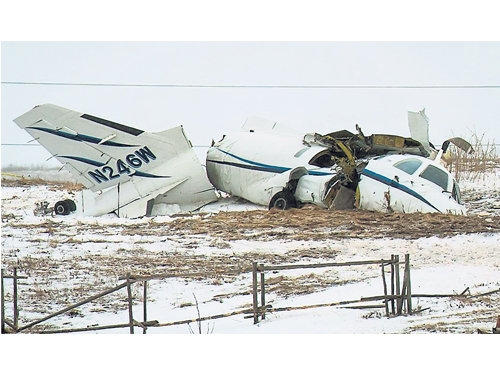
(396, 185)
(259, 166)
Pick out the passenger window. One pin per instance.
(436, 175)
(409, 166)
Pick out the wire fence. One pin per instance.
(397, 300)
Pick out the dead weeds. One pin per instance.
(28, 182)
(285, 286)
(317, 225)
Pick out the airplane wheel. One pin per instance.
(64, 207)
(72, 205)
(283, 201)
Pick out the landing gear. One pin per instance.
(283, 200)
(64, 207)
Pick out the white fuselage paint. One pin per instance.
(255, 165)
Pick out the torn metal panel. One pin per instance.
(418, 123)
(461, 143)
(377, 144)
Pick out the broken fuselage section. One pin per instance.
(270, 164)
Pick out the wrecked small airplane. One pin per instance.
(270, 164)
(133, 173)
(126, 171)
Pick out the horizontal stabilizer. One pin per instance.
(128, 165)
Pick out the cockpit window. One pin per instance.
(456, 193)
(409, 166)
(436, 175)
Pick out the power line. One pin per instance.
(257, 86)
(19, 144)
(39, 145)
(196, 146)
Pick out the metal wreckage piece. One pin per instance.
(349, 153)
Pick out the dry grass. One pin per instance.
(292, 225)
(285, 286)
(28, 182)
(460, 322)
(473, 167)
(311, 224)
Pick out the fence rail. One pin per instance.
(396, 300)
(256, 311)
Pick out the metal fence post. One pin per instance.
(393, 309)
(3, 305)
(399, 301)
(262, 291)
(254, 292)
(144, 305)
(16, 310)
(130, 315)
(385, 289)
(408, 283)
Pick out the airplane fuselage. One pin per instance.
(260, 165)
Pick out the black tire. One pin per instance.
(62, 208)
(283, 200)
(72, 205)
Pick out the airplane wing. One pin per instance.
(102, 154)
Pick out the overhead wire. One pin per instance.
(254, 86)
(246, 86)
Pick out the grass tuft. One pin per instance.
(477, 165)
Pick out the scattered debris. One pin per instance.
(42, 209)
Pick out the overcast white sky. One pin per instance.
(208, 113)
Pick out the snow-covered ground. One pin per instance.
(68, 259)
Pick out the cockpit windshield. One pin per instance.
(409, 165)
(436, 175)
(456, 193)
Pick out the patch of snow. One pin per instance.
(438, 266)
